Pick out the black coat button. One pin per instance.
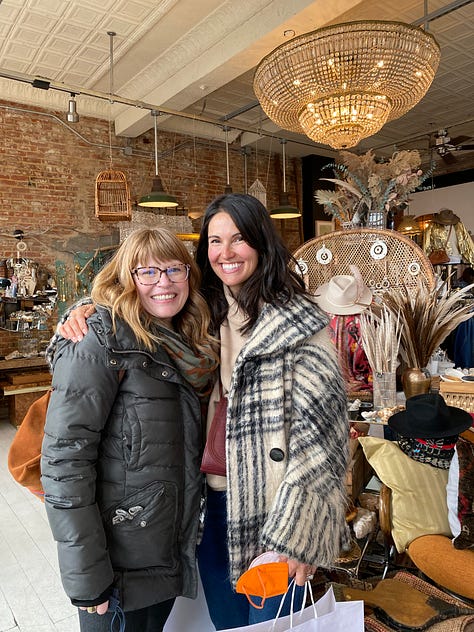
(276, 454)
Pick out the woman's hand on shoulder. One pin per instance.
(75, 327)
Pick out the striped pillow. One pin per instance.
(419, 505)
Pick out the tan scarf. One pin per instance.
(197, 369)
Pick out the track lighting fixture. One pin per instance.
(72, 116)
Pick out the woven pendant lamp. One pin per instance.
(342, 83)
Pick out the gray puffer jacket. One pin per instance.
(120, 468)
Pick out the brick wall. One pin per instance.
(48, 171)
(47, 183)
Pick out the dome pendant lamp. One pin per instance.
(284, 210)
(157, 198)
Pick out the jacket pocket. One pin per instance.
(142, 529)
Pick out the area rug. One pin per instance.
(464, 623)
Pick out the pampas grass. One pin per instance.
(381, 339)
(426, 319)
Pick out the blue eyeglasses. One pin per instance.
(152, 275)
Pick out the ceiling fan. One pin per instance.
(445, 146)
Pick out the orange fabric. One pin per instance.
(25, 451)
(451, 568)
(264, 580)
(468, 434)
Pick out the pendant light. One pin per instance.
(157, 198)
(284, 210)
(342, 83)
(228, 188)
(112, 192)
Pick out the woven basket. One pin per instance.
(385, 258)
(112, 197)
(459, 394)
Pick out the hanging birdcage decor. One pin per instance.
(112, 193)
(112, 196)
(258, 191)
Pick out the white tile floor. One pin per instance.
(31, 595)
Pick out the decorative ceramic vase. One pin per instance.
(415, 382)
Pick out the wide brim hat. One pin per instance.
(427, 416)
(446, 217)
(344, 294)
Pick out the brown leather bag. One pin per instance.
(24, 454)
(213, 458)
(439, 256)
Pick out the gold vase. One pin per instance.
(415, 382)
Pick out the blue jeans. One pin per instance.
(227, 608)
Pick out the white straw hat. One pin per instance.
(344, 294)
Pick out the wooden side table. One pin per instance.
(22, 381)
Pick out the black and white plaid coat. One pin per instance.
(287, 401)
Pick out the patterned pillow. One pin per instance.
(465, 451)
(418, 491)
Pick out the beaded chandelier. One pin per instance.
(342, 83)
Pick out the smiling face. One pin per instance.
(165, 299)
(231, 258)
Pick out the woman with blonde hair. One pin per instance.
(122, 446)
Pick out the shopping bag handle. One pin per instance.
(292, 586)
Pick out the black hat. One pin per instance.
(428, 416)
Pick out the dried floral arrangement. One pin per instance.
(381, 333)
(426, 319)
(366, 185)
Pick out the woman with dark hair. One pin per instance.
(287, 429)
(286, 448)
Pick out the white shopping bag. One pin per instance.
(326, 615)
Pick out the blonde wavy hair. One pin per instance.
(114, 287)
